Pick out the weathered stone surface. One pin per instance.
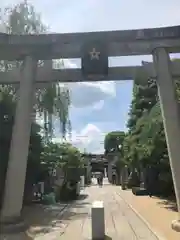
(176, 225)
(69, 45)
(47, 74)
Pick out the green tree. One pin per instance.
(70, 161)
(52, 101)
(113, 145)
(113, 141)
(145, 144)
(144, 98)
(65, 156)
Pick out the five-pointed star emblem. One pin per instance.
(94, 54)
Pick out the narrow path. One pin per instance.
(121, 222)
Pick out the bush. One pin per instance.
(68, 191)
(139, 191)
(49, 199)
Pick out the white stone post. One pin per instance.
(16, 172)
(82, 182)
(98, 220)
(171, 118)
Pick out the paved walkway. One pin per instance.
(158, 212)
(75, 223)
(121, 222)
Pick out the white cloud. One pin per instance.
(69, 64)
(99, 105)
(90, 94)
(90, 138)
(106, 87)
(124, 14)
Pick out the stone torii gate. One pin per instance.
(31, 48)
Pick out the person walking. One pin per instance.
(114, 178)
(100, 179)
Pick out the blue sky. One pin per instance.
(98, 108)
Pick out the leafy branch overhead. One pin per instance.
(113, 141)
(53, 99)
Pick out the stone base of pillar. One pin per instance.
(142, 185)
(123, 186)
(12, 225)
(176, 225)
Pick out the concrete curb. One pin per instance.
(159, 237)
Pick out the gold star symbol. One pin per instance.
(94, 54)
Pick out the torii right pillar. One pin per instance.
(171, 118)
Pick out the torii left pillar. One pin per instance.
(16, 172)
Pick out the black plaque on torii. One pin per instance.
(94, 59)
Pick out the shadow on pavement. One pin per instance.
(81, 205)
(169, 204)
(80, 198)
(42, 219)
(105, 238)
(71, 215)
(19, 236)
(46, 219)
(83, 196)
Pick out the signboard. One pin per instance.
(94, 60)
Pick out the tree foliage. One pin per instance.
(113, 141)
(113, 145)
(53, 155)
(145, 143)
(65, 156)
(53, 99)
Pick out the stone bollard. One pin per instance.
(142, 179)
(98, 221)
(124, 177)
(82, 182)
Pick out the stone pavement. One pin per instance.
(121, 222)
(75, 223)
(160, 216)
(41, 219)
